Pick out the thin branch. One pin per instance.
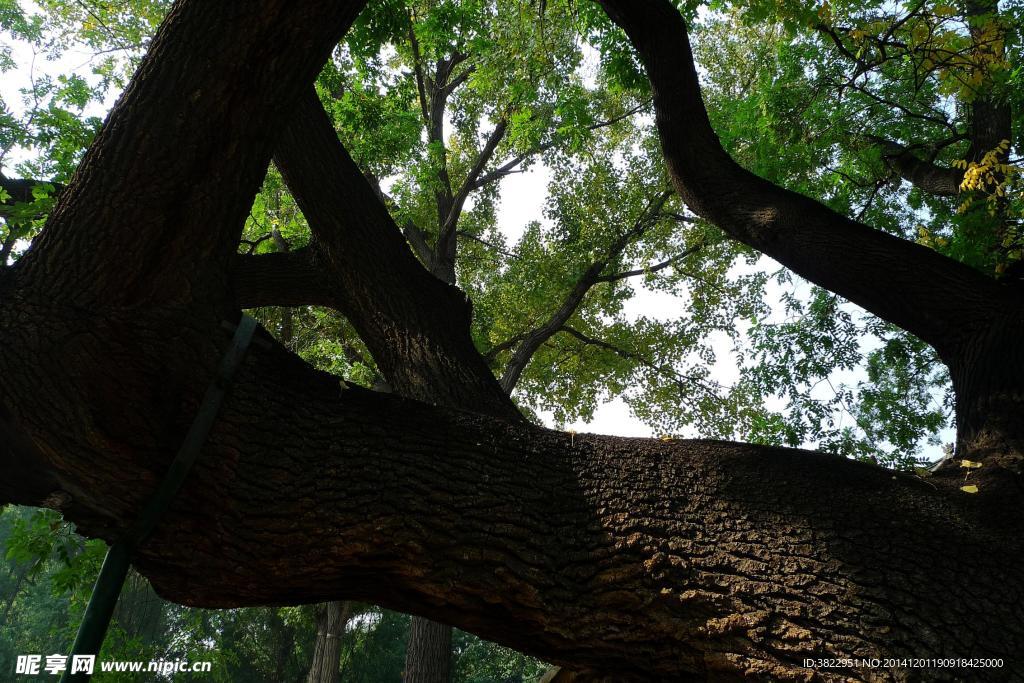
(681, 381)
(493, 247)
(493, 352)
(417, 61)
(253, 244)
(613, 277)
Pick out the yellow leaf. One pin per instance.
(970, 488)
(970, 464)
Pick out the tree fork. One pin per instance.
(416, 326)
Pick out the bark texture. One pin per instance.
(637, 559)
(429, 657)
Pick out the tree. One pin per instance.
(732, 557)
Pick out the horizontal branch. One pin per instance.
(926, 175)
(640, 559)
(613, 277)
(21, 191)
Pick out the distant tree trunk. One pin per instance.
(330, 626)
(19, 582)
(428, 658)
(281, 641)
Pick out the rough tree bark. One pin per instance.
(641, 560)
(429, 652)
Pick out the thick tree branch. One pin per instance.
(534, 339)
(482, 159)
(447, 244)
(939, 300)
(438, 92)
(416, 326)
(282, 279)
(640, 559)
(927, 176)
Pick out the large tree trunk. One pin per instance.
(429, 655)
(641, 560)
(636, 558)
(330, 627)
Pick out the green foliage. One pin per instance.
(373, 649)
(479, 661)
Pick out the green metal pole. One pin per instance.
(100, 609)
(93, 628)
